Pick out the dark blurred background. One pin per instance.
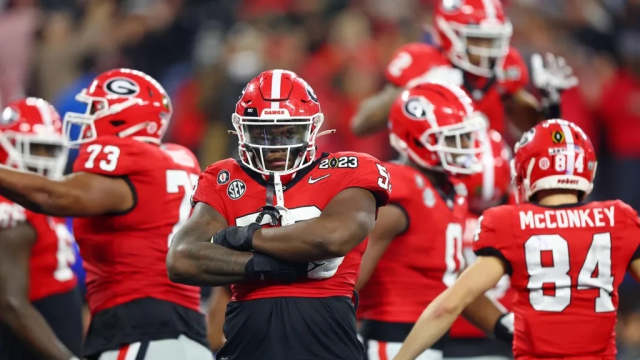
(204, 51)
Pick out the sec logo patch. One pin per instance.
(236, 189)
(223, 177)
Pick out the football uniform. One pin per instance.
(415, 63)
(566, 264)
(129, 293)
(466, 340)
(310, 318)
(52, 283)
(418, 264)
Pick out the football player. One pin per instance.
(416, 245)
(473, 52)
(39, 304)
(292, 281)
(486, 189)
(566, 258)
(129, 193)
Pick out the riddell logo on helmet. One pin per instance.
(568, 181)
(275, 112)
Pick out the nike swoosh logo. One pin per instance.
(313, 181)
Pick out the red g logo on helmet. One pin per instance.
(122, 103)
(419, 108)
(121, 86)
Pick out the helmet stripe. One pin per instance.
(45, 113)
(570, 148)
(490, 9)
(488, 164)
(276, 82)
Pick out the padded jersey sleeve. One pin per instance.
(208, 189)
(490, 239)
(411, 61)
(112, 156)
(370, 174)
(515, 73)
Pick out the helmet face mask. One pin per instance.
(476, 39)
(123, 103)
(491, 187)
(32, 139)
(277, 142)
(457, 145)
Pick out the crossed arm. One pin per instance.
(343, 223)
(79, 194)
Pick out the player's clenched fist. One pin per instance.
(236, 237)
(265, 267)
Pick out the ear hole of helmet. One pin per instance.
(432, 139)
(117, 123)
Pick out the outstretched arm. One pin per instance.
(486, 315)
(16, 311)
(373, 112)
(79, 194)
(193, 259)
(391, 222)
(343, 224)
(482, 275)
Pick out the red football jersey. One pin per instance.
(421, 262)
(51, 255)
(566, 264)
(502, 292)
(124, 254)
(238, 194)
(414, 63)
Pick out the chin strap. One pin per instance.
(277, 184)
(326, 132)
(277, 213)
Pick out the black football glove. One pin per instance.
(265, 267)
(272, 212)
(236, 237)
(503, 329)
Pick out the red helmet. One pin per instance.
(555, 154)
(436, 126)
(491, 186)
(457, 21)
(31, 137)
(277, 120)
(124, 103)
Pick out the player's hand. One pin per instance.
(552, 73)
(236, 237)
(270, 214)
(551, 76)
(265, 267)
(503, 329)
